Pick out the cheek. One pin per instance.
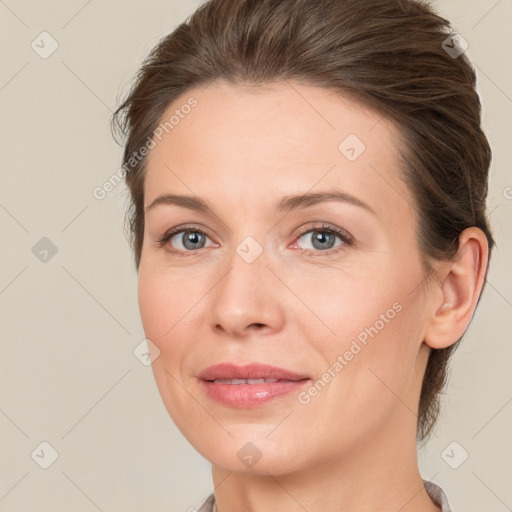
(375, 326)
(347, 303)
(373, 377)
(152, 304)
(160, 303)
(168, 304)
(162, 294)
(160, 311)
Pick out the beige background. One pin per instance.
(69, 325)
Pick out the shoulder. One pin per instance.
(209, 504)
(438, 495)
(434, 491)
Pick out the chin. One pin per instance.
(253, 455)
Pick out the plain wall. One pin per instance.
(70, 323)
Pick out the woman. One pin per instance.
(308, 182)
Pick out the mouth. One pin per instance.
(237, 382)
(250, 386)
(251, 374)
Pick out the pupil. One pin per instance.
(192, 238)
(319, 237)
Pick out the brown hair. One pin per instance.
(388, 54)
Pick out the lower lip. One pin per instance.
(251, 395)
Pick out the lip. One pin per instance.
(250, 371)
(250, 395)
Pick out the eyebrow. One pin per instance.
(286, 204)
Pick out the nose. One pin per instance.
(247, 299)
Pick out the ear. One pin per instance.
(460, 288)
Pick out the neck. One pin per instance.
(378, 475)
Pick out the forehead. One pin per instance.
(246, 142)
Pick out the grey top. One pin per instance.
(434, 491)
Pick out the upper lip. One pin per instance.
(250, 371)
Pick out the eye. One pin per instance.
(183, 239)
(322, 239)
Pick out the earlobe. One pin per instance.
(460, 289)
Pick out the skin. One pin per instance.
(242, 150)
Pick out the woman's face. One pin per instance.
(253, 282)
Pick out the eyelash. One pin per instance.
(345, 237)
